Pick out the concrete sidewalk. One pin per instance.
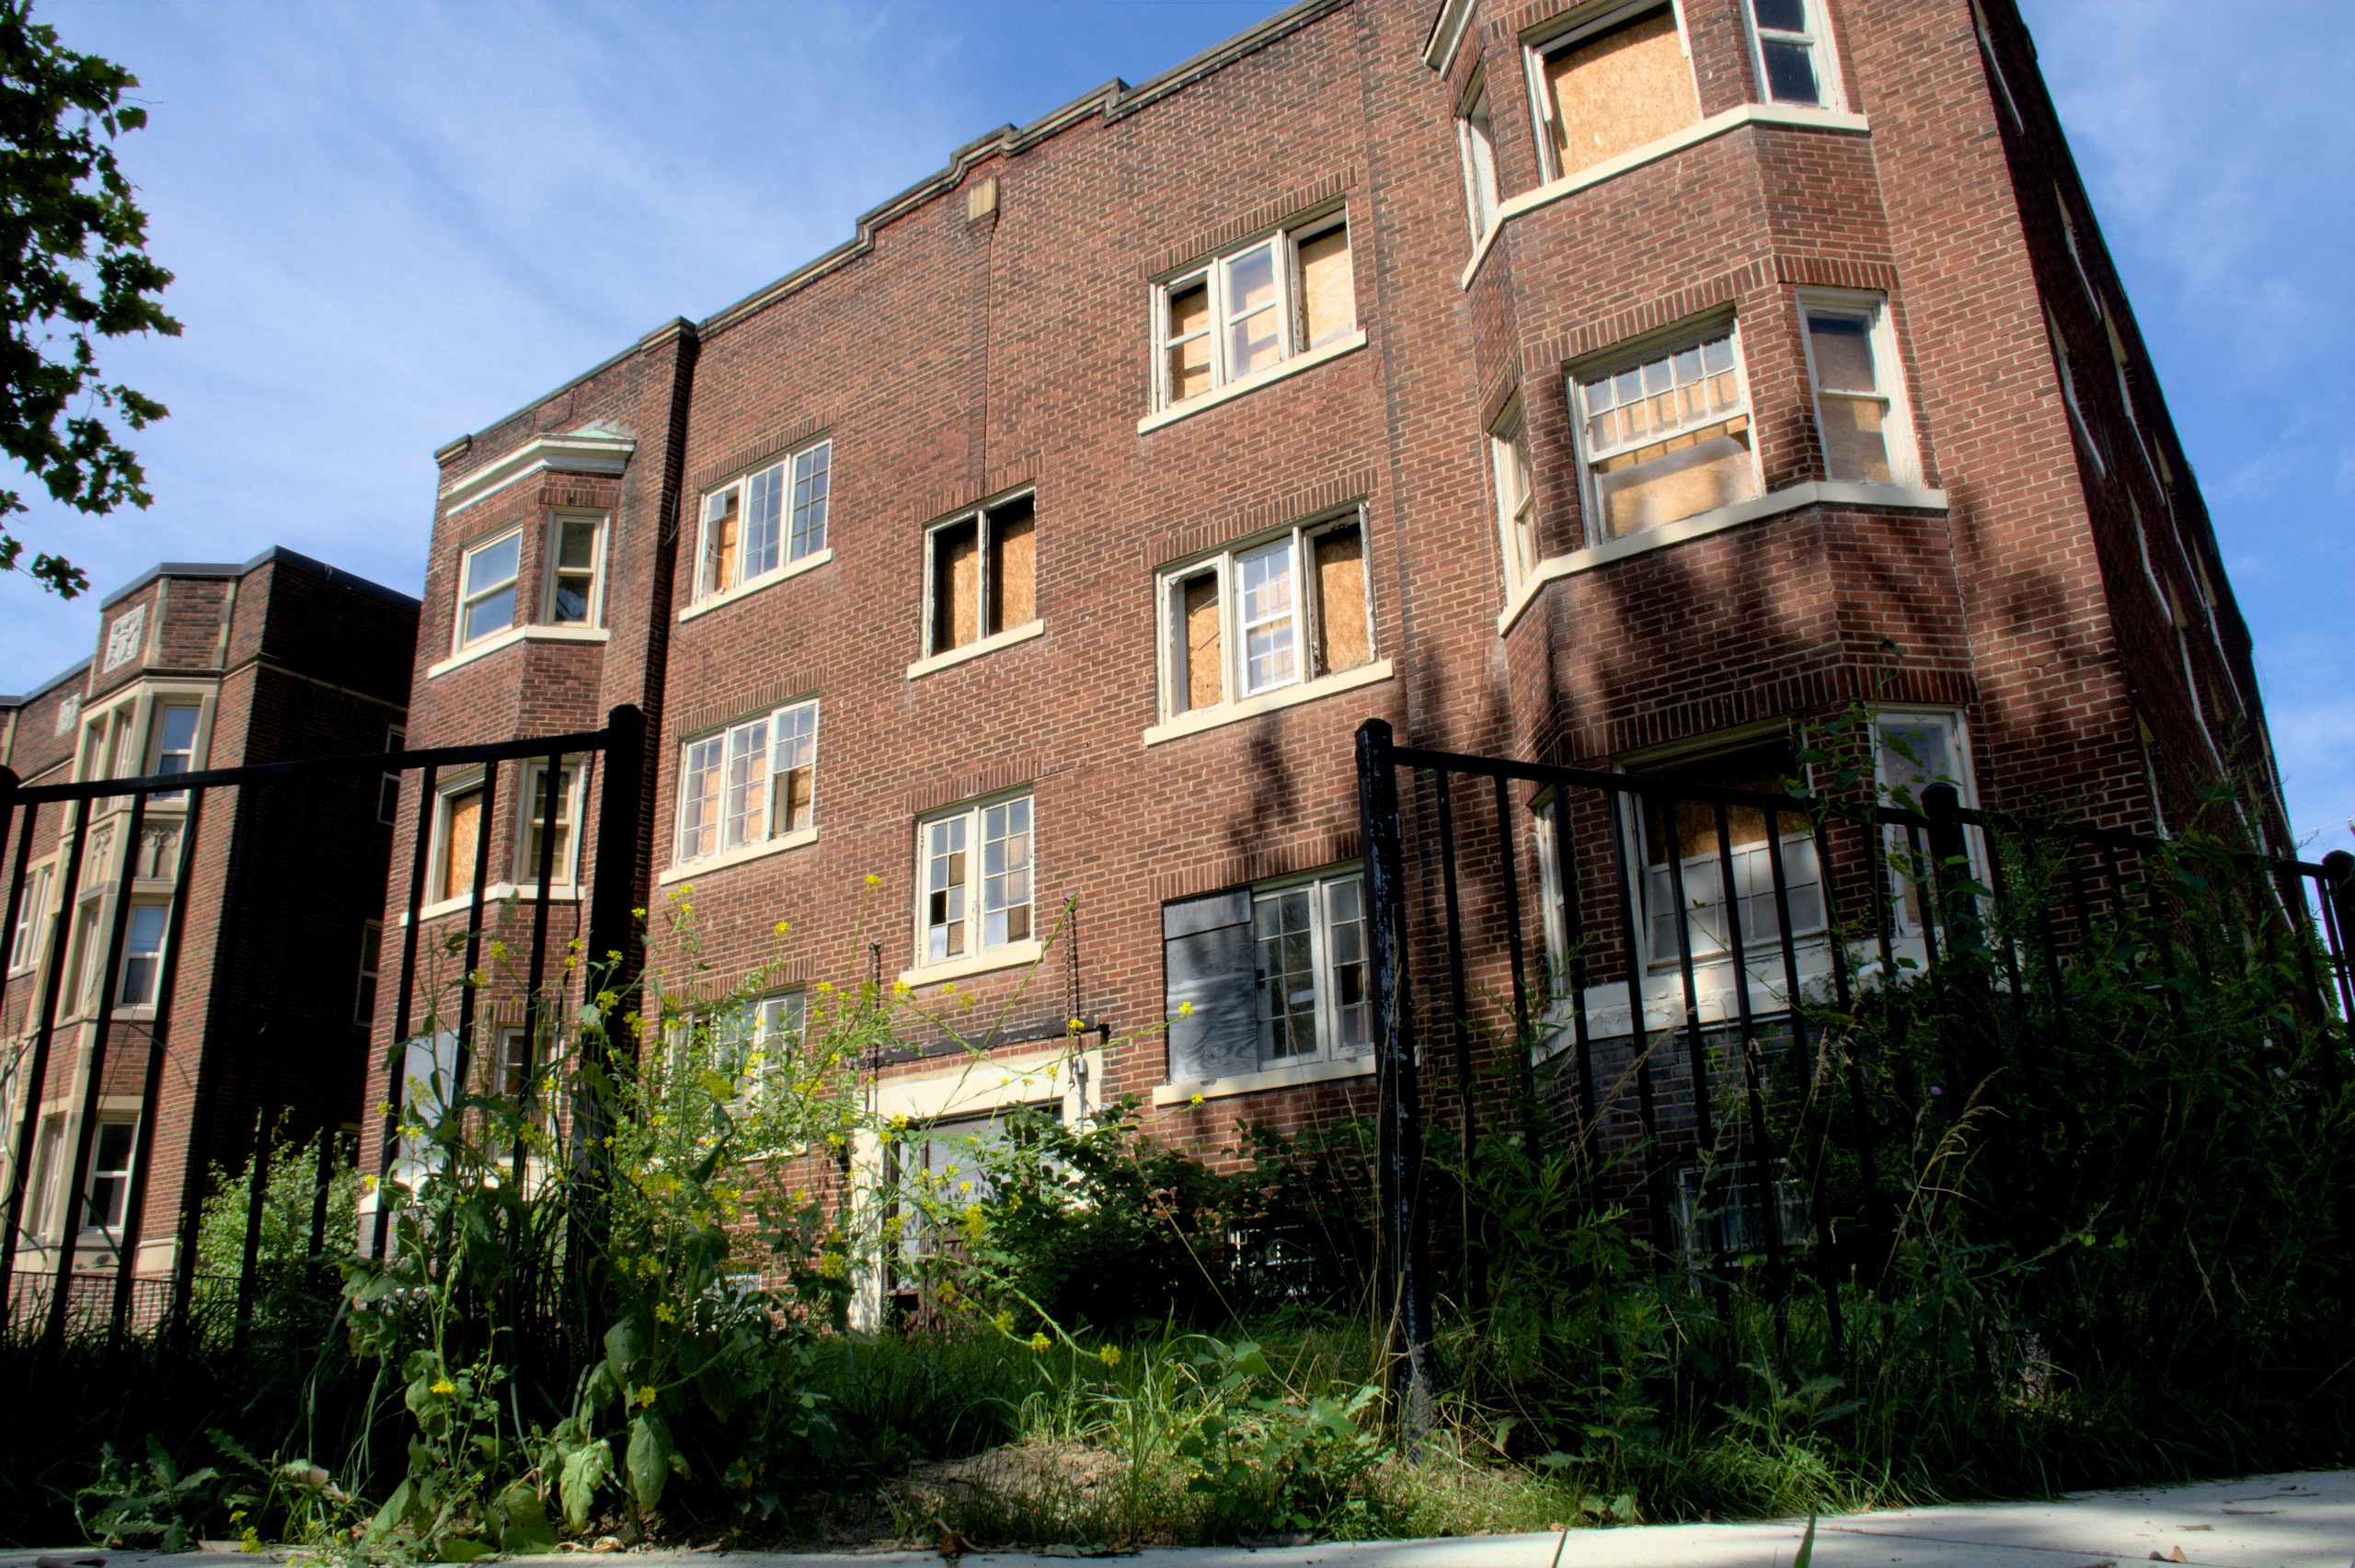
(2306, 1520)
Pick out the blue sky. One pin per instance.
(394, 224)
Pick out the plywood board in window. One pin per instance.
(1613, 92)
(1341, 640)
(1328, 293)
(1013, 567)
(956, 586)
(1205, 671)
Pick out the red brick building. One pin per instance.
(199, 666)
(1616, 384)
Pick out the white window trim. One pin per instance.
(1287, 239)
(1305, 361)
(458, 641)
(1320, 949)
(603, 525)
(527, 812)
(976, 959)
(1814, 492)
(395, 742)
(1897, 426)
(2064, 372)
(1482, 198)
(1996, 66)
(934, 662)
(1508, 458)
(1661, 345)
(771, 842)
(1534, 52)
(1828, 79)
(36, 913)
(1787, 116)
(1293, 1076)
(446, 789)
(787, 565)
(1305, 617)
(513, 634)
(809, 563)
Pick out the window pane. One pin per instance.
(1480, 153)
(1915, 753)
(1345, 948)
(1844, 352)
(462, 816)
(492, 612)
(813, 478)
(175, 730)
(1013, 566)
(1286, 973)
(1189, 339)
(493, 564)
(944, 888)
(1610, 94)
(1854, 446)
(699, 798)
(1255, 327)
(1005, 873)
(143, 954)
(794, 765)
(956, 585)
(1201, 653)
(1780, 15)
(747, 804)
(764, 521)
(109, 1175)
(720, 558)
(1270, 650)
(1790, 71)
(1342, 642)
(1328, 293)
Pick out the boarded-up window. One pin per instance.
(1201, 652)
(1212, 987)
(461, 824)
(1608, 93)
(984, 575)
(1342, 640)
(1688, 829)
(1187, 340)
(1667, 438)
(1328, 293)
(719, 555)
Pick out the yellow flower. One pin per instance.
(1109, 1356)
(663, 1313)
(1003, 1322)
(1196, 1102)
(831, 1264)
(1075, 1025)
(873, 880)
(1039, 1341)
(444, 1387)
(646, 1396)
(1185, 1010)
(784, 926)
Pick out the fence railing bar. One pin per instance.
(271, 1051)
(18, 873)
(29, 1123)
(1922, 873)
(1696, 1049)
(488, 753)
(468, 989)
(1567, 885)
(1459, 1004)
(1813, 1131)
(1639, 1036)
(396, 1075)
(1770, 1211)
(150, 1087)
(1522, 1041)
(85, 1136)
(551, 783)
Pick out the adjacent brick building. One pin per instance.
(200, 666)
(1616, 384)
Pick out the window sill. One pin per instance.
(1254, 381)
(1014, 954)
(750, 585)
(1201, 719)
(1815, 492)
(1265, 1079)
(495, 894)
(514, 635)
(1652, 152)
(686, 869)
(991, 643)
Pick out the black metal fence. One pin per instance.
(1672, 997)
(252, 935)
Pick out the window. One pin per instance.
(1476, 134)
(2076, 256)
(1267, 614)
(1910, 752)
(388, 791)
(763, 1036)
(1688, 829)
(143, 955)
(1724, 1209)
(40, 1216)
(2069, 396)
(1250, 310)
(487, 587)
(575, 569)
(89, 958)
(749, 784)
(1794, 52)
(33, 919)
(1608, 89)
(953, 924)
(174, 746)
(764, 521)
(566, 821)
(1268, 976)
(1852, 355)
(363, 996)
(981, 575)
(461, 829)
(1994, 66)
(110, 1177)
(1516, 498)
(1667, 438)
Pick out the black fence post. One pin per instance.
(2338, 890)
(609, 962)
(1398, 1165)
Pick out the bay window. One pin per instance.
(487, 575)
(1859, 407)
(1667, 438)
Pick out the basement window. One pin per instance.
(751, 783)
(981, 575)
(1610, 87)
(1248, 311)
(1275, 612)
(1667, 438)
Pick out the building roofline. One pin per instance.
(239, 569)
(1114, 100)
(45, 688)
